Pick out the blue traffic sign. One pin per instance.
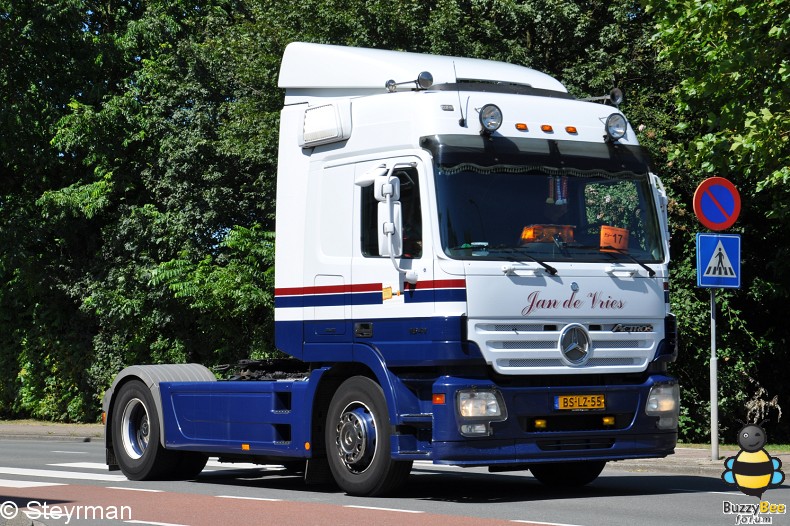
(719, 261)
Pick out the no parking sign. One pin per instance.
(717, 203)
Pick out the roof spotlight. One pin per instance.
(616, 126)
(616, 96)
(490, 118)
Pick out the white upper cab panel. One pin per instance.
(333, 79)
(309, 70)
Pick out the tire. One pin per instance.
(135, 436)
(190, 464)
(358, 440)
(567, 474)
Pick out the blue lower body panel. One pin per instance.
(263, 418)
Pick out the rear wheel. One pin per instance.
(358, 440)
(136, 439)
(567, 474)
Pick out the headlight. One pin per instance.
(616, 126)
(477, 409)
(664, 402)
(490, 118)
(478, 404)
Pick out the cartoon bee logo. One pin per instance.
(753, 470)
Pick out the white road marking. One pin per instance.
(137, 489)
(425, 464)
(247, 498)
(724, 493)
(708, 492)
(5, 483)
(154, 523)
(544, 523)
(242, 465)
(382, 509)
(53, 474)
(81, 465)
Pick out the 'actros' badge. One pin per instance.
(644, 327)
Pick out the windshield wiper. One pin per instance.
(551, 270)
(622, 252)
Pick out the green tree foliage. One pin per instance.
(732, 104)
(139, 144)
(140, 137)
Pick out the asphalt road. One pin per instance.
(69, 477)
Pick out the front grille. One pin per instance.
(513, 327)
(551, 362)
(519, 344)
(532, 348)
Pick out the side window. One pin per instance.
(411, 212)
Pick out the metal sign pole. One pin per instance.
(717, 205)
(714, 383)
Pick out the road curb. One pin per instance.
(51, 431)
(54, 438)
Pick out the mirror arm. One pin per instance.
(409, 276)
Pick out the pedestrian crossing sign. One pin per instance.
(719, 261)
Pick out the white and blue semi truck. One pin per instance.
(471, 269)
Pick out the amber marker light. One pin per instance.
(608, 420)
(307, 446)
(520, 126)
(572, 130)
(540, 423)
(245, 447)
(547, 128)
(438, 398)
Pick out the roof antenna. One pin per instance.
(462, 120)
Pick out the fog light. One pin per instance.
(540, 423)
(608, 420)
(475, 430)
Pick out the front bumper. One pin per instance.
(567, 435)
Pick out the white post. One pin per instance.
(714, 383)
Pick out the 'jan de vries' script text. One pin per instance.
(593, 300)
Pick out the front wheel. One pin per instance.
(358, 440)
(567, 474)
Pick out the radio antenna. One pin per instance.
(462, 120)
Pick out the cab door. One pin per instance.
(392, 307)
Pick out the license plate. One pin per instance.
(580, 402)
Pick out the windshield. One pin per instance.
(545, 200)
